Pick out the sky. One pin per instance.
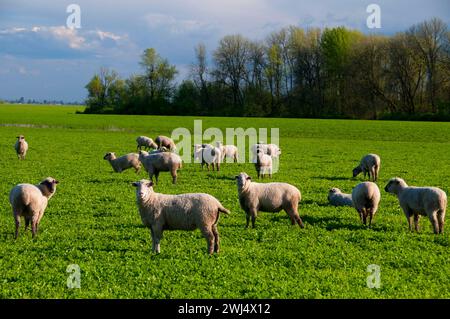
(41, 58)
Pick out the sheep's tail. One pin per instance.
(223, 210)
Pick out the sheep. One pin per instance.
(416, 201)
(21, 147)
(270, 149)
(228, 151)
(166, 142)
(161, 212)
(145, 141)
(30, 201)
(337, 198)
(270, 197)
(209, 155)
(370, 164)
(263, 164)
(119, 164)
(366, 197)
(160, 161)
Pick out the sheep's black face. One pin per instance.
(106, 156)
(50, 184)
(355, 172)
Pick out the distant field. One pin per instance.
(93, 221)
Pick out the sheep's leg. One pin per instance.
(209, 236)
(156, 176)
(152, 234)
(174, 177)
(157, 236)
(247, 216)
(295, 217)
(434, 222)
(441, 217)
(370, 213)
(253, 214)
(17, 222)
(216, 239)
(27, 222)
(364, 216)
(34, 228)
(416, 222)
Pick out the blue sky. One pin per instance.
(41, 58)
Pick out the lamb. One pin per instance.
(21, 147)
(146, 142)
(161, 212)
(228, 151)
(270, 197)
(166, 142)
(370, 164)
(337, 198)
(263, 164)
(159, 161)
(366, 197)
(30, 201)
(416, 201)
(119, 164)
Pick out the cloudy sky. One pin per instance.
(41, 58)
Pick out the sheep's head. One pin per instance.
(48, 186)
(395, 185)
(20, 137)
(356, 171)
(109, 156)
(143, 187)
(333, 191)
(243, 180)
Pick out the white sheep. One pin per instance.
(21, 147)
(146, 142)
(161, 212)
(270, 149)
(30, 201)
(228, 151)
(416, 201)
(370, 164)
(160, 161)
(263, 164)
(366, 198)
(208, 155)
(337, 198)
(119, 164)
(270, 197)
(166, 142)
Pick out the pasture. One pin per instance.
(93, 221)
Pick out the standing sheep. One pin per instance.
(21, 147)
(263, 164)
(166, 142)
(119, 164)
(270, 197)
(30, 201)
(157, 162)
(270, 149)
(228, 151)
(370, 164)
(416, 201)
(337, 198)
(161, 212)
(208, 155)
(366, 197)
(146, 142)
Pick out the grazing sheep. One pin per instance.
(270, 197)
(370, 164)
(161, 212)
(21, 147)
(166, 142)
(146, 142)
(416, 201)
(30, 201)
(366, 197)
(228, 151)
(160, 161)
(337, 198)
(263, 164)
(119, 164)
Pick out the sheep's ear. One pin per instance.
(236, 177)
(249, 178)
(56, 181)
(150, 184)
(135, 184)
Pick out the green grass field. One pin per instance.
(93, 221)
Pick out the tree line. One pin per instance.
(335, 72)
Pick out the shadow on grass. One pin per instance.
(332, 178)
(333, 223)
